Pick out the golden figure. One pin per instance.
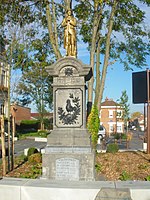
(69, 23)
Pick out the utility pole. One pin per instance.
(148, 113)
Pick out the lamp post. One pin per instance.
(148, 114)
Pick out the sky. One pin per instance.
(117, 79)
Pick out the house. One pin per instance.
(46, 115)
(3, 83)
(111, 117)
(20, 113)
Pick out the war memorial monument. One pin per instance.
(68, 154)
(68, 164)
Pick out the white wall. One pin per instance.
(40, 189)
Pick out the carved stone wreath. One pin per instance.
(68, 72)
(72, 110)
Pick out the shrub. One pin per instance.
(43, 133)
(147, 178)
(124, 136)
(124, 176)
(98, 167)
(93, 125)
(112, 148)
(116, 136)
(35, 158)
(31, 151)
(28, 126)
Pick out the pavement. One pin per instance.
(20, 145)
(134, 145)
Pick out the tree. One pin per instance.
(125, 106)
(136, 115)
(114, 31)
(108, 20)
(35, 86)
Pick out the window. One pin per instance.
(119, 128)
(100, 114)
(111, 128)
(110, 113)
(119, 113)
(2, 109)
(2, 78)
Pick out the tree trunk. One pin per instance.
(107, 52)
(68, 4)
(52, 35)
(97, 88)
(96, 23)
(3, 146)
(13, 142)
(9, 142)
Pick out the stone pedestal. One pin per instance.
(68, 155)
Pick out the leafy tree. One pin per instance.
(124, 104)
(35, 86)
(27, 50)
(114, 31)
(135, 115)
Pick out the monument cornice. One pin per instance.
(82, 69)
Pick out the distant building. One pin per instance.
(3, 80)
(46, 115)
(111, 117)
(20, 113)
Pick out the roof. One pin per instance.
(37, 115)
(109, 102)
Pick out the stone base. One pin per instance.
(69, 137)
(72, 164)
(69, 156)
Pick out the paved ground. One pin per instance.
(20, 145)
(135, 144)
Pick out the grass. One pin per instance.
(42, 134)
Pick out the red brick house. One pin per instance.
(111, 117)
(20, 113)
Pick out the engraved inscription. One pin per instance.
(68, 81)
(67, 169)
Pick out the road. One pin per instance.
(20, 145)
(135, 144)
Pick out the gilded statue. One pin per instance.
(69, 24)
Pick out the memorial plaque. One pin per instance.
(67, 169)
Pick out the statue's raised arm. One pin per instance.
(69, 24)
